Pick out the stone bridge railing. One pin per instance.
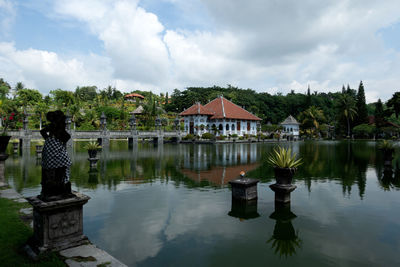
(103, 136)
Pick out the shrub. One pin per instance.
(188, 137)
(241, 138)
(207, 136)
(234, 135)
(363, 130)
(221, 137)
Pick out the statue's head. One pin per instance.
(57, 118)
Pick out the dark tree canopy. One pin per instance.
(362, 113)
(394, 104)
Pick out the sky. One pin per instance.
(272, 46)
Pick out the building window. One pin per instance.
(227, 127)
(233, 127)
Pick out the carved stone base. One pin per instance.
(58, 224)
(282, 192)
(245, 189)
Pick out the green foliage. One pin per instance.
(362, 112)
(364, 130)
(283, 158)
(311, 118)
(394, 104)
(379, 114)
(86, 93)
(63, 98)
(221, 137)
(386, 145)
(234, 135)
(92, 145)
(4, 88)
(188, 137)
(28, 97)
(207, 136)
(346, 108)
(14, 234)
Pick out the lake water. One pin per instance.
(171, 205)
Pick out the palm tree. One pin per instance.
(312, 118)
(347, 107)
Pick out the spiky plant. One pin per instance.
(93, 145)
(386, 145)
(283, 158)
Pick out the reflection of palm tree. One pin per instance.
(285, 240)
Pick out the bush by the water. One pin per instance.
(221, 137)
(364, 130)
(208, 136)
(188, 137)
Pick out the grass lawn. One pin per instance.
(13, 235)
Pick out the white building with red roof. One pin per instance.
(220, 117)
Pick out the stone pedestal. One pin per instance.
(244, 189)
(58, 224)
(3, 158)
(282, 192)
(93, 162)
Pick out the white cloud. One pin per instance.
(132, 37)
(259, 44)
(46, 70)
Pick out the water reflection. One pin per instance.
(215, 165)
(284, 240)
(244, 210)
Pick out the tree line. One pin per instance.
(345, 112)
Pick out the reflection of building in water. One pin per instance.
(202, 157)
(219, 175)
(218, 164)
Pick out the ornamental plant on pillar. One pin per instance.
(285, 164)
(92, 148)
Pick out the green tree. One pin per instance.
(394, 103)
(28, 97)
(63, 98)
(346, 107)
(312, 118)
(379, 115)
(362, 113)
(86, 93)
(4, 88)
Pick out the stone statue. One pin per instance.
(55, 159)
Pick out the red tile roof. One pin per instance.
(197, 109)
(223, 108)
(134, 95)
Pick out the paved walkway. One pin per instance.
(85, 255)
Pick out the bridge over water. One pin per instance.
(103, 136)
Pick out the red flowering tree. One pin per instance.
(9, 116)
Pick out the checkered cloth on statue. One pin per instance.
(55, 155)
